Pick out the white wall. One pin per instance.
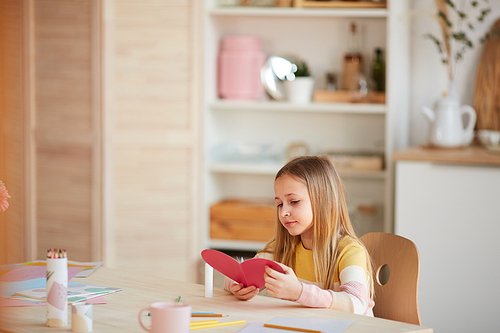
(429, 77)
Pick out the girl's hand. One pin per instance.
(284, 286)
(242, 292)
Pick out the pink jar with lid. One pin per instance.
(239, 63)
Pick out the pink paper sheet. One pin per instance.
(23, 273)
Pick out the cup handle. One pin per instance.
(140, 322)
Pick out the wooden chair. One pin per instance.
(397, 299)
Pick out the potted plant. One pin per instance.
(300, 85)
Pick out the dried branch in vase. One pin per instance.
(456, 23)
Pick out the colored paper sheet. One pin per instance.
(249, 272)
(17, 303)
(14, 302)
(27, 272)
(22, 273)
(323, 325)
(77, 292)
(88, 267)
(9, 288)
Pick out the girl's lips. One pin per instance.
(289, 223)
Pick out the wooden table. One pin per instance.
(120, 314)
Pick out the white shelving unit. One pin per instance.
(320, 37)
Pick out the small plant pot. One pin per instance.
(300, 90)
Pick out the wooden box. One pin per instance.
(352, 161)
(342, 96)
(338, 4)
(251, 220)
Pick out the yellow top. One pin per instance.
(303, 262)
(350, 253)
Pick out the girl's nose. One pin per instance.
(286, 213)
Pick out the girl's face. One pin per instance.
(294, 207)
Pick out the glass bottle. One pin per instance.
(378, 70)
(353, 59)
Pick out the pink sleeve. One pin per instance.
(315, 297)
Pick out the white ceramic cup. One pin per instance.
(494, 138)
(81, 317)
(487, 137)
(168, 317)
(484, 137)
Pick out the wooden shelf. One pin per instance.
(299, 12)
(472, 155)
(338, 4)
(221, 244)
(357, 108)
(269, 169)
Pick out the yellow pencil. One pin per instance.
(199, 327)
(203, 322)
(208, 315)
(200, 323)
(292, 328)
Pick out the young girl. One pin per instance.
(325, 264)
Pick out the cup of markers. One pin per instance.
(57, 288)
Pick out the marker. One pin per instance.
(209, 281)
(178, 299)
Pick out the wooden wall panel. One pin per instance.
(65, 125)
(12, 121)
(151, 136)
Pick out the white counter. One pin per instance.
(448, 203)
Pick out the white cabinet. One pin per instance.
(320, 37)
(451, 212)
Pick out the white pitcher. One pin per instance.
(447, 127)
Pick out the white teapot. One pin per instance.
(447, 127)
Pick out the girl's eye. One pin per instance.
(280, 205)
(294, 201)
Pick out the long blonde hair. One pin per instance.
(330, 219)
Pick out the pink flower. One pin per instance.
(4, 195)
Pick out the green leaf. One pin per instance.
(460, 36)
(436, 41)
(445, 19)
(449, 3)
(302, 69)
(485, 37)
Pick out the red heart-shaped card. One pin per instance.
(249, 272)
